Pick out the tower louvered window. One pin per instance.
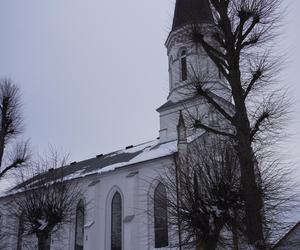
(183, 65)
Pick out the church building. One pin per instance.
(114, 210)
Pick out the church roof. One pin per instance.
(170, 103)
(104, 163)
(290, 240)
(181, 103)
(191, 11)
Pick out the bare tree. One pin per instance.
(11, 126)
(44, 202)
(238, 43)
(205, 198)
(209, 193)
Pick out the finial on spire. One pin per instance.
(191, 11)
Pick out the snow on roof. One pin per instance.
(140, 153)
(102, 163)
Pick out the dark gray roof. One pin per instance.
(165, 105)
(105, 163)
(290, 240)
(84, 167)
(169, 103)
(191, 11)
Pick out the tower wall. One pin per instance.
(182, 91)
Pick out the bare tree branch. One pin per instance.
(200, 125)
(46, 201)
(11, 125)
(258, 123)
(238, 43)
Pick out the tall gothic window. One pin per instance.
(79, 226)
(116, 222)
(160, 217)
(20, 232)
(183, 65)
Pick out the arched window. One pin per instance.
(116, 222)
(183, 65)
(79, 226)
(160, 217)
(20, 232)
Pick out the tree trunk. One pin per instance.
(43, 241)
(252, 196)
(235, 239)
(199, 245)
(211, 245)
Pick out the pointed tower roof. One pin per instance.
(191, 11)
(181, 122)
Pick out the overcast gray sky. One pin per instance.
(92, 72)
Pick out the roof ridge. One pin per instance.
(112, 152)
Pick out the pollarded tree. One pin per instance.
(205, 201)
(46, 201)
(238, 42)
(208, 200)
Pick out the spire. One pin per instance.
(181, 123)
(182, 136)
(181, 129)
(191, 11)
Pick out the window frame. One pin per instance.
(79, 208)
(108, 203)
(183, 65)
(163, 241)
(119, 216)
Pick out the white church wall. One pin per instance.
(9, 226)
(133, 183)
(181, 92)
(169, 118)
(198, 64)
(148, 180)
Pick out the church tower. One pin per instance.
(186, 59)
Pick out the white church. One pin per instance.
(113, 210)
